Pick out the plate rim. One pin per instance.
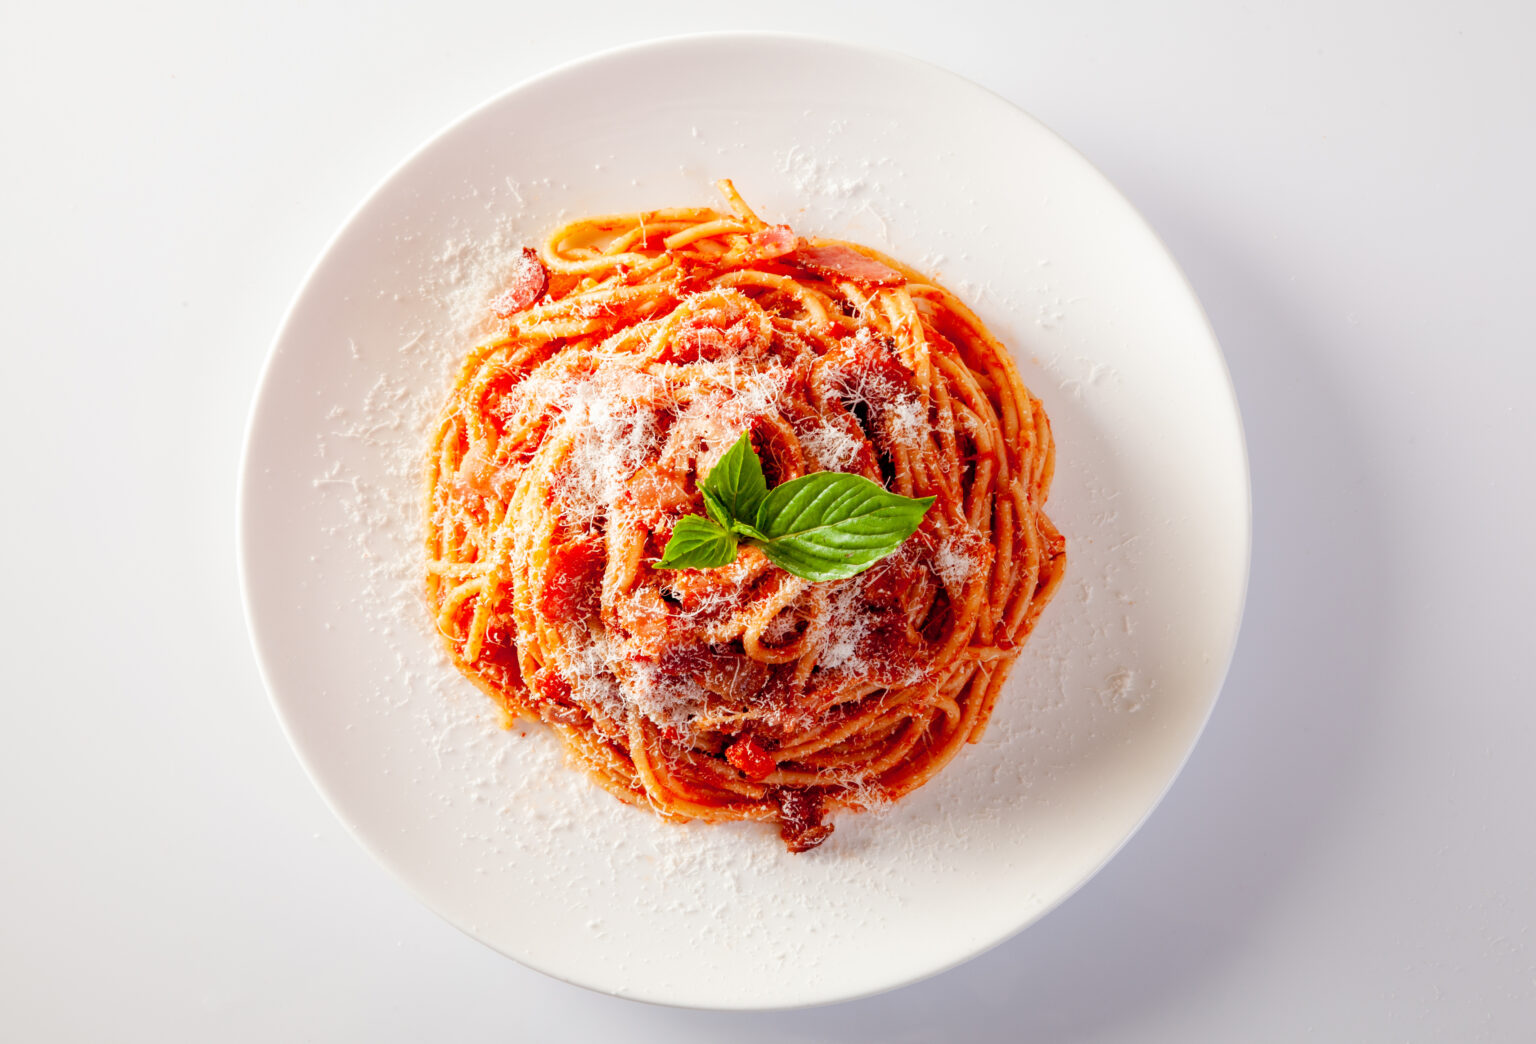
(246, 496)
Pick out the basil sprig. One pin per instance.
(825, 526)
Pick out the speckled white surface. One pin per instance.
(488, 826)
(1346, 856)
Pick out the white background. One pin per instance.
(1350, 854)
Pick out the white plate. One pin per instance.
(489, 827)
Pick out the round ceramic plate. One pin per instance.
(488, 825)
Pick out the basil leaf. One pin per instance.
(742, 529)
(827, 526)
(716, 510)
(831, 525)
(698, 543)
(736, 481)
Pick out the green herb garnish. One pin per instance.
(826, 526)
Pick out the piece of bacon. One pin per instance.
(556, 698)
(499, 651)
(550, 686)
(800, 818)
(658, 490)
(573, 580)
(732, 676)
(722, 331)
(526, 283)
(892, 581)
(475, 473)
(836, 261)
(771, 242)
(866, 365)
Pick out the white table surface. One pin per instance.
(1351, 852)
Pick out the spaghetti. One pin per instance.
(636, 350)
